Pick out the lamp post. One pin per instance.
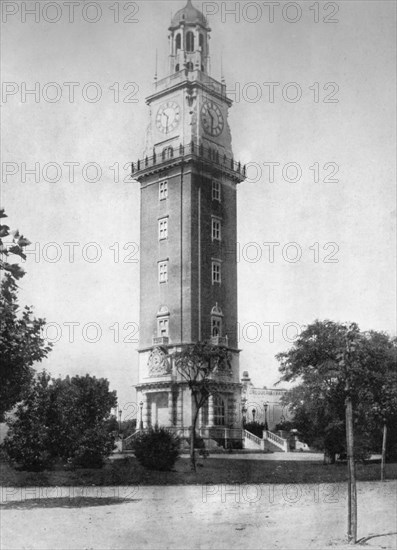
(243, 410)
(265, 406)
(140, 415)
(120, 413)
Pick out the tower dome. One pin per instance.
(190, 16)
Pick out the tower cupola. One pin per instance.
(189, 36)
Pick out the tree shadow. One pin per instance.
(64, 502)
(366, 539)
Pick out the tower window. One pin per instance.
(190, 41)
(178, 42)
(216, 229)
(216, 191)
(201, 41)
(163, 272)
(167, 153)
(163, 190)
(162, 327)
(177, 68)
(219, 411)
(216, 327)
(216, 272)
(163, 229)
(189, 66)
(216, 321)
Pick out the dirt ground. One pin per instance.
(196, 517)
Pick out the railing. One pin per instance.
(276, 440)
(160, 340)
(219, 340)
(128, 441)
(257, 440)
(209, 432)
(195, 75)
(172, 154)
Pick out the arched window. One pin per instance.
(202, 68)
(189, 41)
(167, 153)
(219, 411)
(178, 42)
(189, 66)
(216, 327)
(201, 41)
(177, 68)
(216, 316)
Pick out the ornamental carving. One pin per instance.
(158, 363)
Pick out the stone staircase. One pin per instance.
(269, 442)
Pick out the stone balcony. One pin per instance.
(219, 341)
(188, 153)
(160, 340)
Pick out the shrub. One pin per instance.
(61, 421)
(91, 449)
(157, 449)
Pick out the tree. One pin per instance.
(21, 343)
(199, 365)
(378, 396)
(335, 364)
(62, 419)
(318, 400)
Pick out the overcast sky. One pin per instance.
(345, 203)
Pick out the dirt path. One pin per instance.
(195, 517)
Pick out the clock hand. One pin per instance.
(166, 124)
(212, 120)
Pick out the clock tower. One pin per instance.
(188, 286)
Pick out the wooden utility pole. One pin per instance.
(352, 490)
(382, 466)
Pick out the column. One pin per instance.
(211, 410)
(145, 411)
(170, 408)
(179, 408)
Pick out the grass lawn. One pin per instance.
(127, 471)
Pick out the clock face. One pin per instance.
(168, 117)
(212, 118)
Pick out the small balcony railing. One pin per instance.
(171, 154)
(219, 340)
(161, 340)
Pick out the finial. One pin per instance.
(155, 73)
(222, 75)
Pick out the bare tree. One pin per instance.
(199, 365)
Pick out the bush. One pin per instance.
(92, 449)
(157, 449)
(61, 421)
